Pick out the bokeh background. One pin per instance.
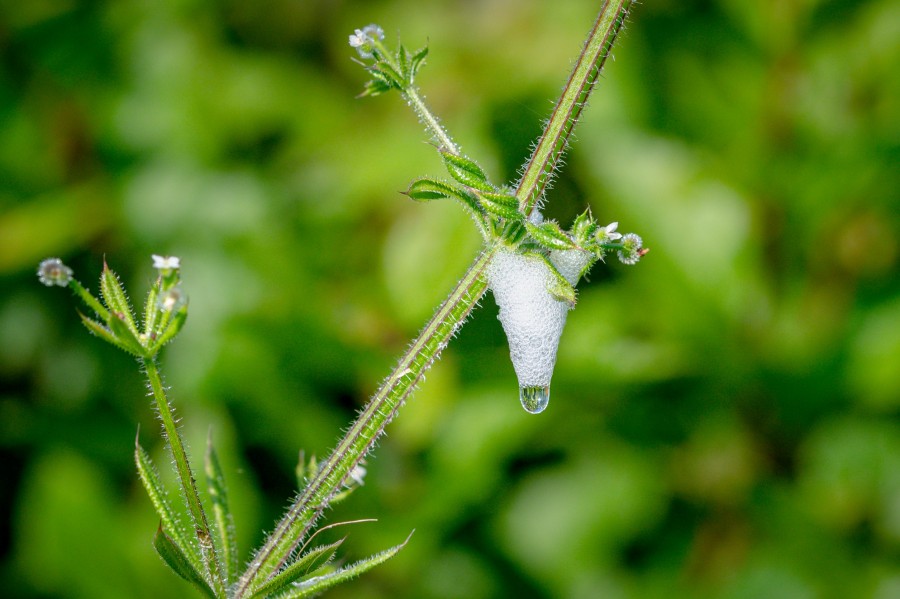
(724, 416)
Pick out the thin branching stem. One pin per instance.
(545, 158)
(358, 440)
(381, 408)
(186, 476)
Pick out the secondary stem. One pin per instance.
(553, 142)
(370, 424)
(356, 443)
(188, 484)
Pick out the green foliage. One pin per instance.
(724, 417)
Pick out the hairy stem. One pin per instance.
(431, 122)
(188, 484)
(553, 142)
(379, 411)
(356, 443)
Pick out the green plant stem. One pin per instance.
(357, 442)
(553, 142)
(188, 484)
(414, 98)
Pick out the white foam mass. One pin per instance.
(531, 317)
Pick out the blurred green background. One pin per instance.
(724, 416)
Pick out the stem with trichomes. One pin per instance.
(186, 476)
(381, 408)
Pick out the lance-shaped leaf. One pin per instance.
(583, 229)
(318, 584)
(549, 235)
(114, 297)
(173, 327)
(500, 204)
(416, 61)
(151, 309)
(104, 333)
(176, 559)
(126, 335)
(159, 498)
(92, 302)
(385, 73)
(466, 171)
(309, 562)
(223, 521)
(426, 190)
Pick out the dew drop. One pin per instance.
(534, 399)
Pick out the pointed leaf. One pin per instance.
(416, 62)
(151, 309)
(172, 329)
(126, 337)
(319, 584)
(583, 228)
(223, 521)
(466, 171)
(403, 62)
(309, 562)
(104, 333)
(92, 302)
(549, 235)
(159, 498)
(425, 189)
(114, 297)
(500, 204)
(374, 88)
(178, 561)
(386, 73)
(559, 287)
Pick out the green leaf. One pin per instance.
(176, 559)
(416, 62)
(425, 190)
(127, 337)
(550, 236)
(172, 329)
(92, 302)
(559, 287)
(513, 233)
(104, 333)
(159, 498)
(466, 171)
(500, 204)
(223, 521)
(403, 60)
(386, 73)
(583, 228)
(374, 88)
(319, 584)
(151, 309)
(115, 299)
(309, 562)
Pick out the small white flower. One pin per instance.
(364, 39)
(52, 271)
(608, 233)
(166, 262)
(358, 39)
